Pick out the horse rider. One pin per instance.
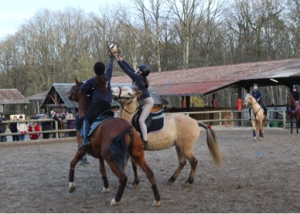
(100, 89)
(258, 95)
(295, 94)
(139, 79)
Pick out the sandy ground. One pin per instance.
(258, 176)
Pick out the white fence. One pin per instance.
(276, 118)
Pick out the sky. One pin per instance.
(14, 13)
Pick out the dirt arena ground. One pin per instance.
(261, 176)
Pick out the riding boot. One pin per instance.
(85, 130)
(145, 144)
(287, 110)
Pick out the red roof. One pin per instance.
(205, 79)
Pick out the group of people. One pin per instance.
(15, 127)
(99, 87)
(19, 129)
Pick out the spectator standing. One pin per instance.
(2, 127)
(34, 127)
(46, 126)
(22, 128)
(13, 128)
(70, 124)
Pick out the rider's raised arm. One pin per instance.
(110, 67)
(131, 74)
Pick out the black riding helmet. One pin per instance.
(99, 68)
(145, 70)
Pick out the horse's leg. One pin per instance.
(136, 174)
(260, 128)
(254, 130)
(193, 162)
(182, 163)
(263, 131)
(297, 123)
(79, 154)
(291, 118)
(122, 181)
(104, 175)
(139, 158)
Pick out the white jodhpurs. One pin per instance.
(148, 105)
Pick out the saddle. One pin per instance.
(106, 115)
(154, 122)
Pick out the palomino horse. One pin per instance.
(258, 118)
(114, 140)
(294, 111)
(179, 130)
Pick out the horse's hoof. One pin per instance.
(114, 202)
(135, 183)
(72, 187)
(105, 190)
(187, 184)
(156, 203)
(170, 182)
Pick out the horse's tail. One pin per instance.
(119, 149)
(212, 144)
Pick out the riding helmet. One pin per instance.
(145, 70)
(99, 68)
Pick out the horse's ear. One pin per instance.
(139, 93)
(77, 82)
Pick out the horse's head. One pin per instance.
(73, 92)
(290, 99)
(248, 100)
(125, 94)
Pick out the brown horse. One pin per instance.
(294, 111)
(113, 141)
(258, 117)
(179, 130)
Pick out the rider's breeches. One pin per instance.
(148, 105)
(95, 109)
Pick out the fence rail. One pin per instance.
(277, 118)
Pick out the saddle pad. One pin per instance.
(98, 120)
(157, 124)
(154, 122)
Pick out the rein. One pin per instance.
(293, 111)
(255, 113)
(290, 103)
(73, 92)
(126, 98)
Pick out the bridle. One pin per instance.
(290, 102)
(252, 103)
(119, 97)
(73, 91)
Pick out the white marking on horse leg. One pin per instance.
(71, 184)
(105, 190)
(72, 187)
(113, 202)
(156, 203)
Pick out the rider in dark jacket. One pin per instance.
(100, 89)
(295, 94)
(139, 80)
(257, 94)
